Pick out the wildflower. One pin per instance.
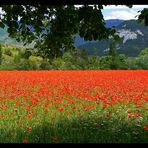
(130, 116)
(46, 110)
(137, 114)
(12, 97)
(24, 140)
(146, 99)
(21, 123)
(129, 111)
(74, 107)
(29, 116)
(96, 124)
(29, 128)
(108, 115)
(3, 107)
(61, 109)
(146, 127)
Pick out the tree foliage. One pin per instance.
(143, 17)
(62, 21)
(52, 28)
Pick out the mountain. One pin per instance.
(109, 23)
(113, 22)
(135, 39)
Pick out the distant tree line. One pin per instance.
(15, 58)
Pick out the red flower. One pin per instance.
(129, 111)
(24, 140)
(46, 110)
(108, 115)
(29, 128)
(29, 116)
(96, 124)
(146, 127)
(12, 97)
(61, 109)
(21, 123)
(3, 107)
(130, 116)
(137, 114)
(74, 107)
(146, 99)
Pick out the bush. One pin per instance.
(8, 52)
(17, 59)
(27, 53)
(142, 62)
(45, 65)
(132, 63)
(69, 66)
(25, 64)
(58, 63)
(105, 62)
(9, 65)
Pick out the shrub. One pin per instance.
(45, 65)
(8, 52)
(25, 64)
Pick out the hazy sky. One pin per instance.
(121, 12)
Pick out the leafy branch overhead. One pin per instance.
(143, 17)
(52, 28)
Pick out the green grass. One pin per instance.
(74, 125)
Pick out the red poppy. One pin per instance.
(29, 128)
(21, 123)
(3, 107)
(46, 110)
(108, 115)
(146, 127)
(96, 124)
(24, 140)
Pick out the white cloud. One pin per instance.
(139, 6)
(114, 7)
(123, 7)
(122, 14)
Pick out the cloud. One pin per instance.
(139, 6)
(121, 14)
(120, 6)
(125, 7)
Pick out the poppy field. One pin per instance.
(90, 106)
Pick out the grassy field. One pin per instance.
(74, 106)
